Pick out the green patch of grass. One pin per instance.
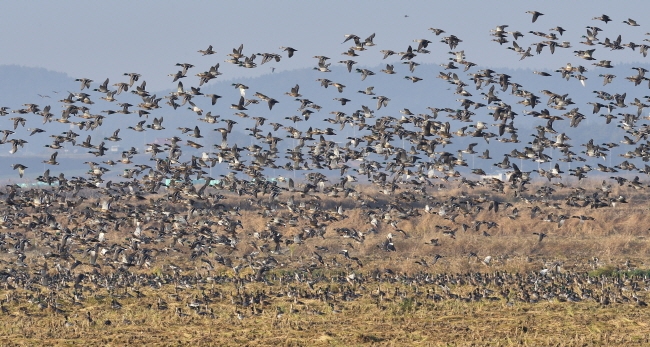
(407, 305)
(607, 271)
(612, 271)
(636, 273)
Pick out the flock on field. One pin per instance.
(71, 231)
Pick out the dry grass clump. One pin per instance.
(403, 316)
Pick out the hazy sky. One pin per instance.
(106, 39)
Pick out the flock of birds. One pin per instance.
(156, 209)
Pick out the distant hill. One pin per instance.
(20, 85)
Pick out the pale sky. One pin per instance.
(108, 38)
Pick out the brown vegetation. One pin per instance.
(584, 283)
